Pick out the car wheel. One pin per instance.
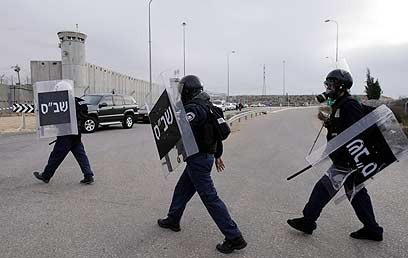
(128, 121)
(90, 125)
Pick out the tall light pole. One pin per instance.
(337, 38)
(17, 69)
(184, 48)
(150, 57)
(228, 73)
(283, 81)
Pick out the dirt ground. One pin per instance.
(12, 124)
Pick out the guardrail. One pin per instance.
(246, 115)
(263, 111)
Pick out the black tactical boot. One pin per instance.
(365, 233)
(39, 176)
(168, 223)
(87, 180)
(228, 246)
(303, 225)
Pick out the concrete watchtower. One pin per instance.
(72, 46)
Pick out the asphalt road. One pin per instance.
(116, 216)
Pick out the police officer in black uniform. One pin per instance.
(197, 174)
(64, 145)
(345, 112)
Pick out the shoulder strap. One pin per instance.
(344, 100)
(337, 105)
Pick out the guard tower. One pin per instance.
(74, 67)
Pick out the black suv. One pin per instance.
(109, 109)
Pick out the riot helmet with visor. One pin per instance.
(189, 86)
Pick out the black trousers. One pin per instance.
(64, 145)
(196, 178)
(321, 195)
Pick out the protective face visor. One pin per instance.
(329, 93)
(332, 87)
(329, 83)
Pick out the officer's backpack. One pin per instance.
(222, 130)
(81, 109)
(216, 117)
(366, 109)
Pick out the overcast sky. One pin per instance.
(372, 34)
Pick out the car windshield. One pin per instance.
(91, 99)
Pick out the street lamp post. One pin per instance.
(150, 58)
(184, 48)
(283, 81)
(17, 69)
(337, 37)
(228, 73)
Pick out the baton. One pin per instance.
(317, 137)
(299, 172)
(52, 142)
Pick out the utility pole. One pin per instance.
(150, 59)
(337, 37)
(228, 74)
(184, 48)
(17, 69)
(283, 82)
(264, 85)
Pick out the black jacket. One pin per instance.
(198, 116)
(345, 112)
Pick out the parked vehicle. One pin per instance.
(230, 106)
(220, 104)
(109, 109)
(142, 115)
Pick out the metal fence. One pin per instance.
(10, 94)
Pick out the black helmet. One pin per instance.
(342, 76)
(190, 86)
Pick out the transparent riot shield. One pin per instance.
(340, 64)
(171, 130)
(55, 108)
(367, 147)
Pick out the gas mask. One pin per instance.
(332, 91)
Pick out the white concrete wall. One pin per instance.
(97, 80)
(45, 71)
(103, 80)
(10, 94)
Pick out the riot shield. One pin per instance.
(367, 147)
(171, 130)
(55, 108)
(340, 64)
